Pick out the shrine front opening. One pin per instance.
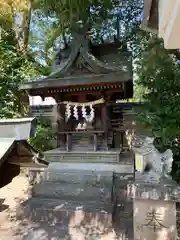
(85, 126)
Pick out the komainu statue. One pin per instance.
(150, 163)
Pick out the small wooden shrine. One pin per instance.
(85, 81)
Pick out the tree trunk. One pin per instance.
(22, 29)
(25, 26)
(27, 17)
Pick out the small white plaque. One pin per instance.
(139, 162)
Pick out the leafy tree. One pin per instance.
(158, 74)
(17, 62)
(15, 19)
(15, 68)
(44, 139)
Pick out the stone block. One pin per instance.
(154, 210)
(123, 219)
(120, 184)
(154, 219)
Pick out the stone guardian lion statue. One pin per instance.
(155, 165)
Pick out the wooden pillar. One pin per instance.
(58, 127)
(61, 125)
(95, 142)
(58, 135)
(104, 119)
(68, 142)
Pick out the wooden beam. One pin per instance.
(165, 11)
(17, 159)
(91, 88)
(147, 8)
(28, 164)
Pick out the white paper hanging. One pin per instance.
(75, 112)
(68, 112)
(84, 114)
(91, 115)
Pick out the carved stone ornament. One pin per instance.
(151, 165)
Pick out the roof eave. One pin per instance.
(80, 80)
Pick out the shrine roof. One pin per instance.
(20, 153)
(83, 63)
(14, 147)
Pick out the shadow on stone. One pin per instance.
(55, 220)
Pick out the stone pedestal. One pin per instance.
(154, 193)
(154, 210)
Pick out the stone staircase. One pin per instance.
(72, 201)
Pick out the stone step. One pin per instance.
(67, 213)
(80, 173)
(83, 158)
(63, 205)
(44, 231)
(73, 173)
(81, 155)
(57, 219)
(77, 177)
(107, 168)
(72, 191)
(70, 176)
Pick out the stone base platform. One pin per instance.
(72, 198)
(57, 155)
